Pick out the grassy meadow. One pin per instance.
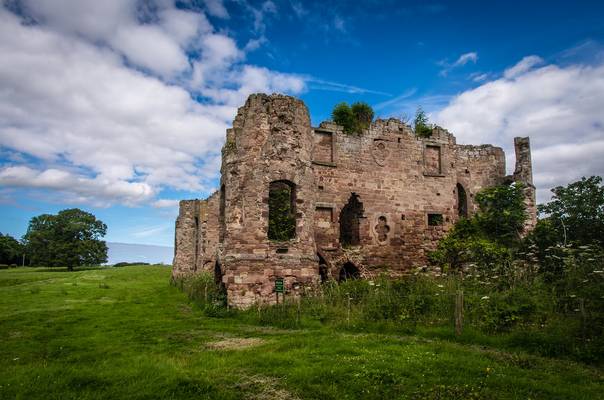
(113, 333)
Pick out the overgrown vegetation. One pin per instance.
(490, 236)
(281, 212)
(421, 124)
(355, 118)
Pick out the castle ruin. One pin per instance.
(303, 205)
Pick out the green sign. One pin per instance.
(279, 286)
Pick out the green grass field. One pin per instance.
(126, 333)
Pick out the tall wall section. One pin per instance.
(408, 188)
(271, 141)
(196, 236)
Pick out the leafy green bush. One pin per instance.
(354, 119)
(486, 239)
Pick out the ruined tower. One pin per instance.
(299, 205)
(267, 152)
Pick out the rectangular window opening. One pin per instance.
(435, 219)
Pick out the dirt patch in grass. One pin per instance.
(235, 343)
(260, 387)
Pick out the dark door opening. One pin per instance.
(349, 271)
(462, 202)
(350, 224)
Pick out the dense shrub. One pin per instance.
(354, 119)
(488, 238)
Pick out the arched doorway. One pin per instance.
(348, 271)
(462, 202)
(350, 224)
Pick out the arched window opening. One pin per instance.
(350, 224)
(221, 218)
(349, 271)
(282, 211)
(323, 269)
(462, 202)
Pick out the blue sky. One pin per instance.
(120, 107)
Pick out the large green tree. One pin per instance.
(11, 251)
(576, 212)
(69, 239)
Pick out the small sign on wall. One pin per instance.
(279, 285)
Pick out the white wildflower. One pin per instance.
(484, 298)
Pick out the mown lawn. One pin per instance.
(126, 333)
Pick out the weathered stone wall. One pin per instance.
(400, 179)
(187, 237)
(524, 173)
(393, 193)
(271, 140)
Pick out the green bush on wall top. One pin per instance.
(354, 119)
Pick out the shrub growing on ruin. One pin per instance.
(354, 119)
(421, 124)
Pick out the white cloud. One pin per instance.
(99, 130)
(460, 62)
(523, 66)
(97, 191)
(165, 203)
(466, 58)
(216, 8)
(559, 108)
(478, 76)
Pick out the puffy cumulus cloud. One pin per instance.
(97, 98)
(96, 191)
(559, 108)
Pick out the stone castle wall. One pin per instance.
(386, 193)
